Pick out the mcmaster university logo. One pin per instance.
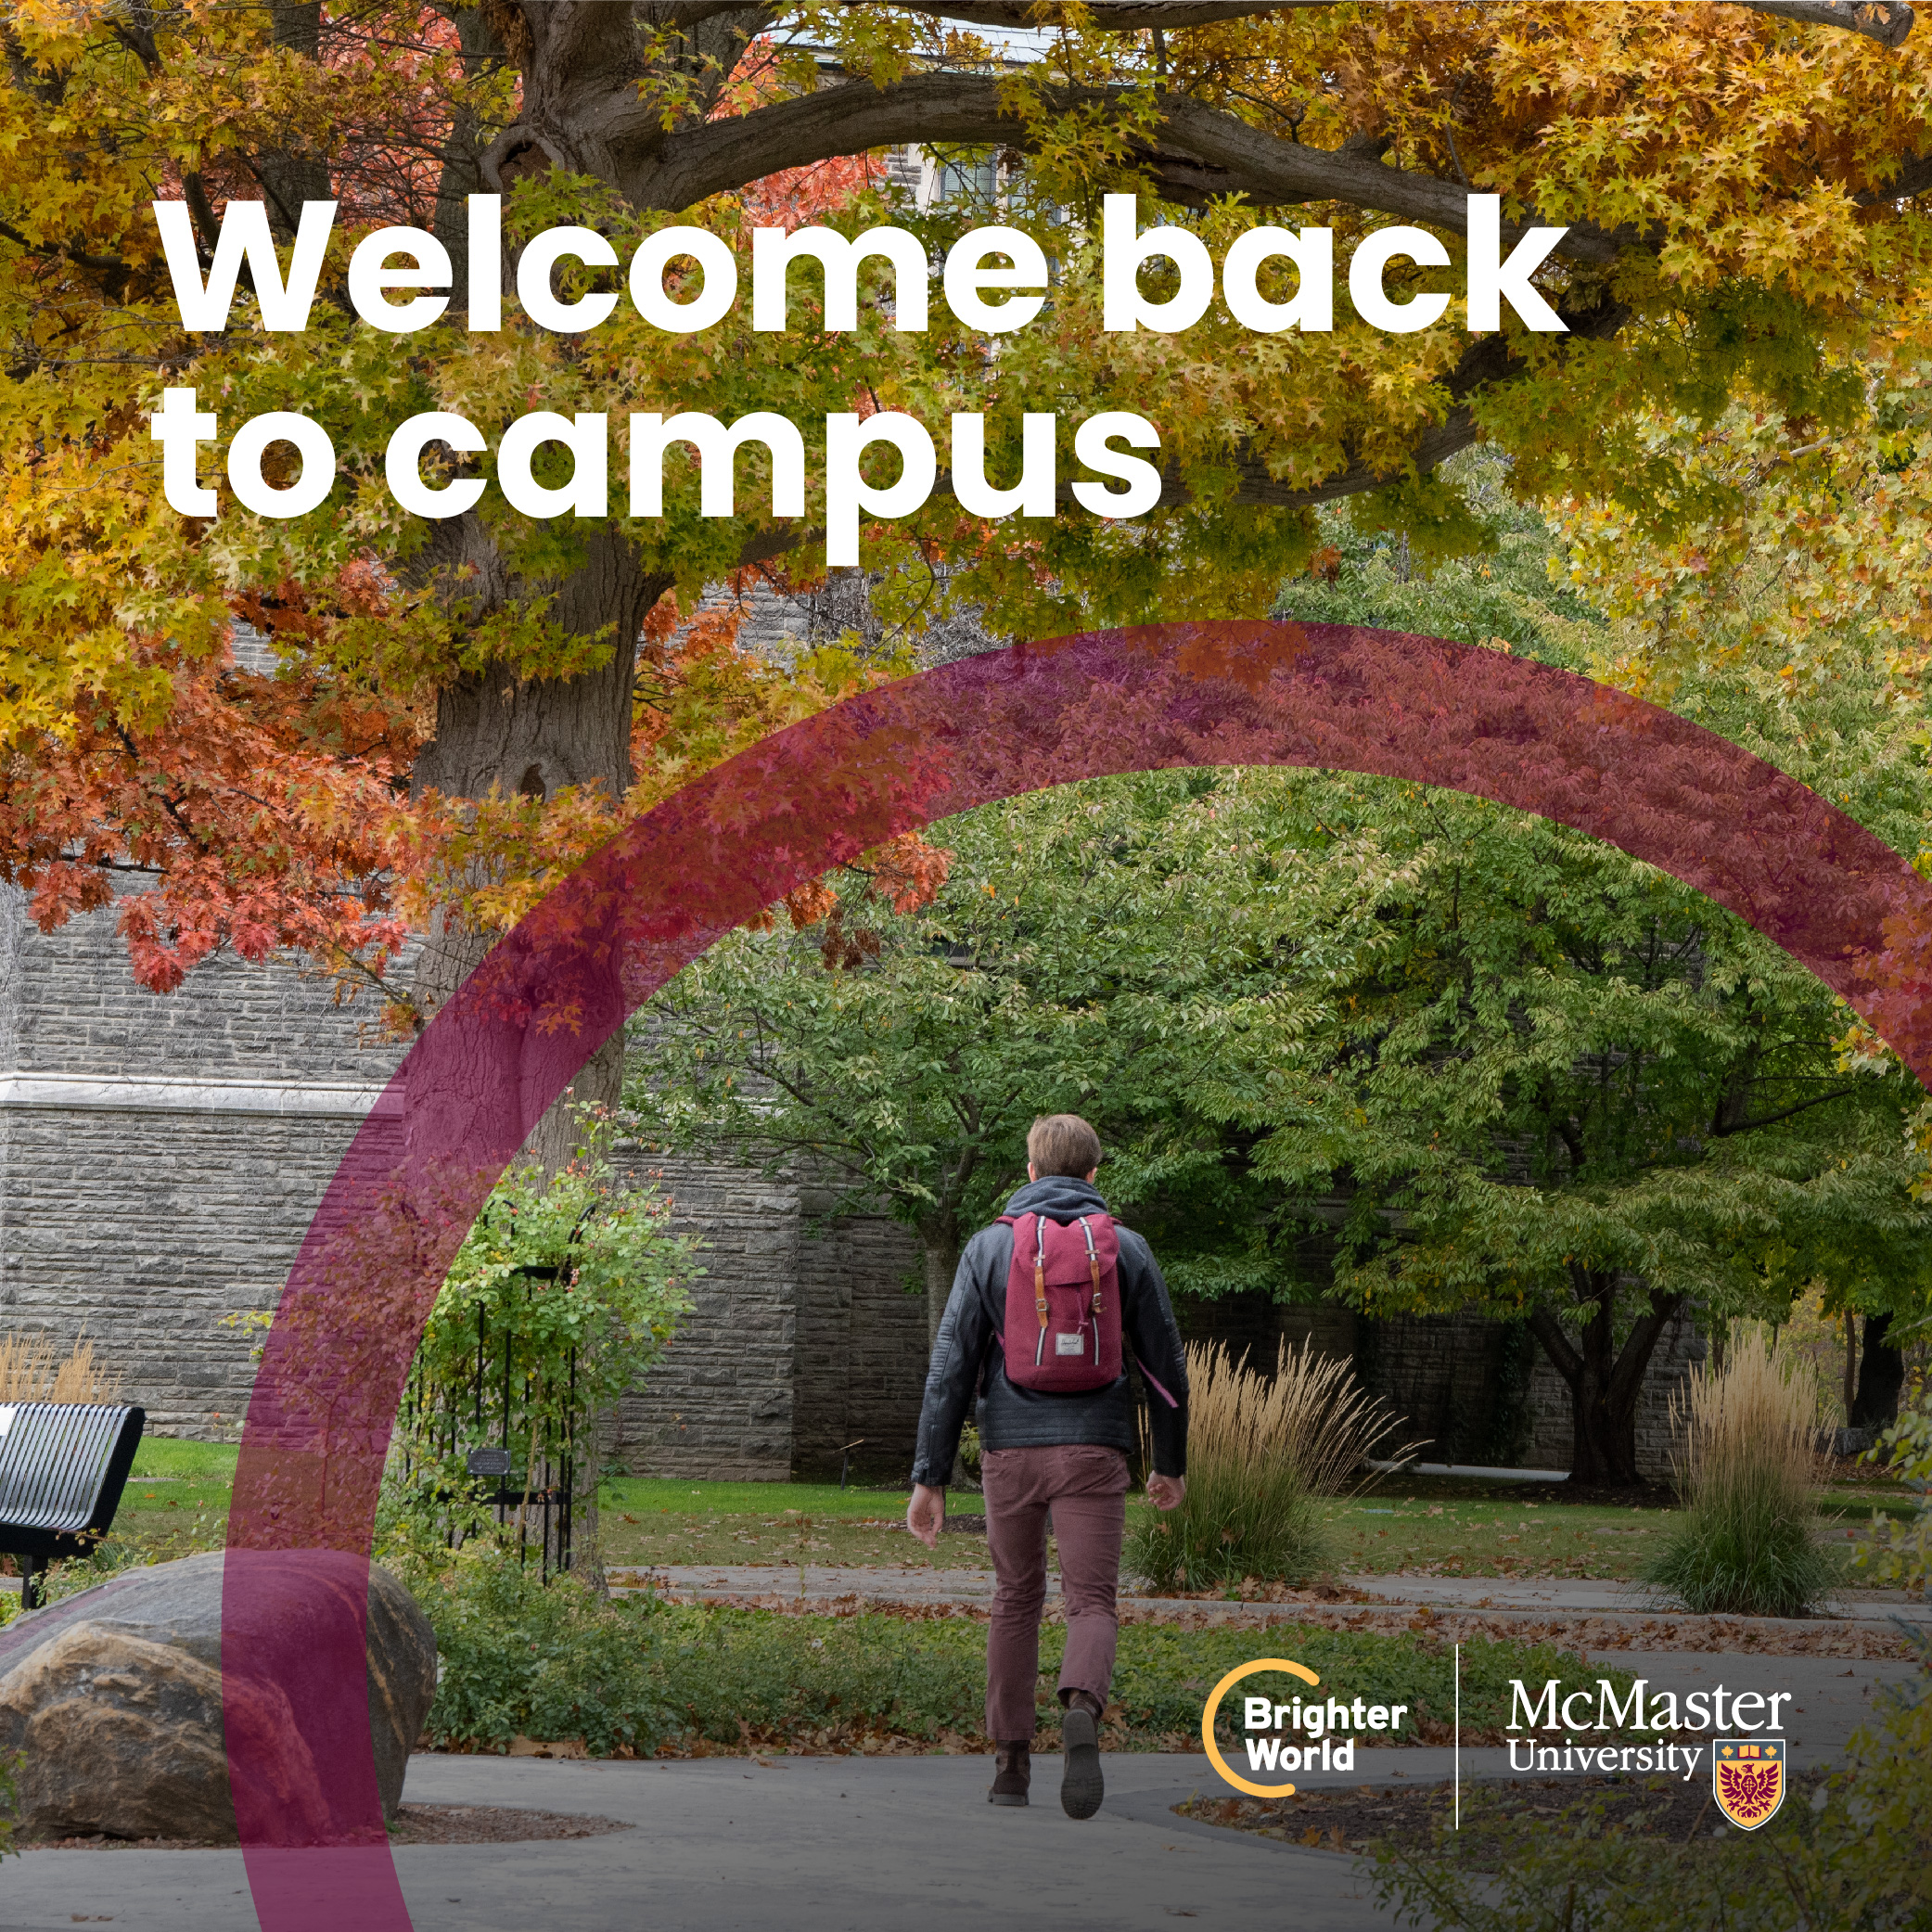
(1748, 1779)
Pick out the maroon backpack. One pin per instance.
(1063, 1304)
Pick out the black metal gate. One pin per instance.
(511, 1430)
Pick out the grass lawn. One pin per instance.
(1443, 1526)
(1452, 1527)
(692, 1523)
(657, 1521)
(177, 1498)
(1487, 1536)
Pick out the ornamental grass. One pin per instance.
(1748, 1466)
(1262, 1452)
(31, 1373)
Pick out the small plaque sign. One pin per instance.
(489, 1461)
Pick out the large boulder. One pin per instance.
(114, 1696)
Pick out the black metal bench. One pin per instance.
(62, 1468)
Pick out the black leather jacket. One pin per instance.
(967, 1359)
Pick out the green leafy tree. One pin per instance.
(1543, 1080)
(905, 1049)
(1481, 1059)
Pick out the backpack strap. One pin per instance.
(1093, 1270)
(1040, 1287)
(1092, 1262)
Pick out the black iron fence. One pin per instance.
(502, 1441)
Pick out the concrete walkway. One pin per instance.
(1831, 1697)
(1571, 1596)
(1531, 1597)
(787, 1845)
(860, 1844)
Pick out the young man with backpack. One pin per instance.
(1040, 1308)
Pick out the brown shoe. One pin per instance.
(1012, 1772)
(1081, 1787)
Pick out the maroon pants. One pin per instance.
(1085, 1489)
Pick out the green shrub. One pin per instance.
(1260, 1454)
(1235, 1521)
(516, 1658)
(563, 1293)
(1746, 1546)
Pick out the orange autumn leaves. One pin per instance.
(275, 811)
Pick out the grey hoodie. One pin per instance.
(967, 1359)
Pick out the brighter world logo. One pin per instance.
(1324, 1730)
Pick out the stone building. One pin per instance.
(160, 1157)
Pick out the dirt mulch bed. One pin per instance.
(1664, 1633)
(412, 1825)
(1867, 1642)
(494, 1824)
(1670, 1810)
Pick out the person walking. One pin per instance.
(1040, 1307)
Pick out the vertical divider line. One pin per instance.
(1458, 1752)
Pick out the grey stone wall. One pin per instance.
(1255, 1326)
(720, 1401)
(161, 1156)
(76, 1011)
(1450, 1378)
(146, 1229)
(801, 1340)
(862, 1337)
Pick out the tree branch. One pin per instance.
(1203, 153)
(1633, 1358)
(113, 271)
(585, 108)
(1124, 18)
(1887, 22)
(1721, 1133)
(1564, 1358)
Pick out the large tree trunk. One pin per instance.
(463, 147)
(1881, 1377)
(1604, 1381)
(290, 176)
(939, 1240)
(498, 733)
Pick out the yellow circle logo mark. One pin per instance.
(1213, 1705)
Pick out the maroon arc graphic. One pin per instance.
(737, 840)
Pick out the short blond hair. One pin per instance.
(1063, 1144)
